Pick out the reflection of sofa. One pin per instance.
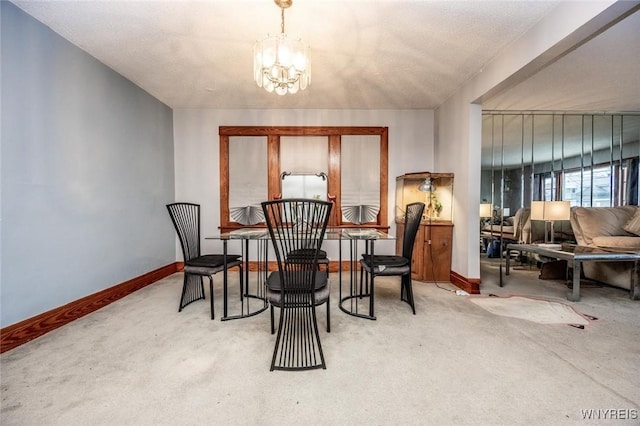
(604, 227)
(496, 230)
(527, 231)
(521, 229)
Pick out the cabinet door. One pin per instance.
(418, 256)
(437, 253)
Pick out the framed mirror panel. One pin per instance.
(348, 165)
(247, 178)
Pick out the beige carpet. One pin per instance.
(530, 309)
(140, 362)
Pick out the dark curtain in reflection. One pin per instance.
(632, 182)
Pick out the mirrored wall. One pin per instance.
(586, 159)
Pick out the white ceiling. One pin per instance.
(601, 75)
(366, 54)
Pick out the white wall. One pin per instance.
(197, 151)
(459, 119)
(87, 168)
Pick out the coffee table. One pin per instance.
(575, 255)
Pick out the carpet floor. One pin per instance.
(536, 310)
(140, 362)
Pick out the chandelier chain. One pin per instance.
(282, 20)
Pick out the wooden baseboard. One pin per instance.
(470, 285)
(24, 331)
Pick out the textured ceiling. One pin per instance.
(601, 75)
(366, 54)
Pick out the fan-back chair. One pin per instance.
(186, 219)
(297, 228)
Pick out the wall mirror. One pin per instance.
(304, 162)
(304, 185)
(360, 182)
(247, 184)
(345, 165)
(586, 159)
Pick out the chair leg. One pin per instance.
(371, 294)
(364, 288)
(241, 283)
(192, 290)
(406, 292)
(273, 327)
(328, 318)
(277, 345)
(211, 291)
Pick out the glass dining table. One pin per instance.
(355, 297)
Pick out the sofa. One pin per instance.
(527, 231)
(496, 229)
(522, 230)
(608, 227)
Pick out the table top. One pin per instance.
(330, 234)
(576, 252)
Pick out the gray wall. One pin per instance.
(87, 168)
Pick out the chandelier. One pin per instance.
(281, 64)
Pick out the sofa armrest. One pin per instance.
(591, 222)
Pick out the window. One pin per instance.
(548, 182)
(589, 187)
(353, 159)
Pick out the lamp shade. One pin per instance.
(557, 210)
(485, 210)
(550, 210)
(426, 186)
(537, 210)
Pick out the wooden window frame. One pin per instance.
(334, 135)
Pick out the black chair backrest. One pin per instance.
(297, 225)
(186, 219)
(412, 219)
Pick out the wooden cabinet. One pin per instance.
(431, 259)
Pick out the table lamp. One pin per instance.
(550, 211)
(485, 210)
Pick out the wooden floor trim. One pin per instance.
(470, 285)
(17, 334)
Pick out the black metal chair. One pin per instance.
(297, 228)
(322, 257)
(186, 219)
(394, 265)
